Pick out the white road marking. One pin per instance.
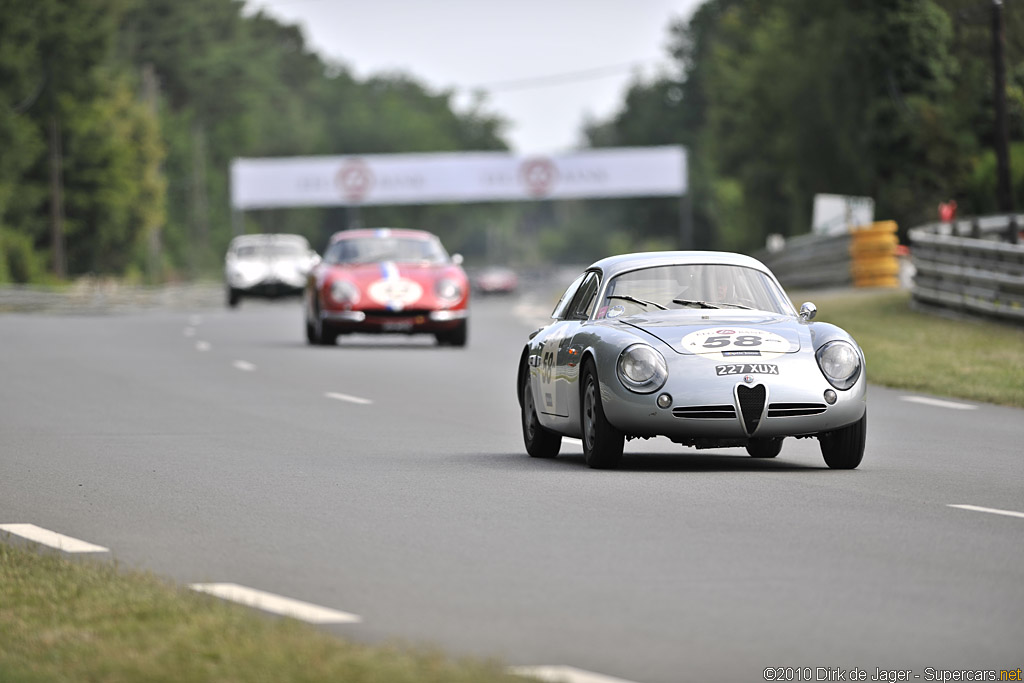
(993, 511)
(244, 365)
(277, 604)
(564, 674)
(203, 346)
(195, 320)
(571, 439)
(350, 399)
(937, 403)
(190, 331)
(52, 538)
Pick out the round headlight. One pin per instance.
(642, 369)
(448, 289)
(840, 363)
(344, 292)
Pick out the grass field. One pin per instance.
(922, 352)
(80, 620)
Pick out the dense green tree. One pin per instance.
(779, 100)
(77, 181)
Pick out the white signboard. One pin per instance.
(835, 213)
(456, 177)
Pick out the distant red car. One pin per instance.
(387, 281)
(496, 280)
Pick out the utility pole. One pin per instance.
(1004, 195)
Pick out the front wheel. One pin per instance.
(540, 443)
(602, 442)
(767, 447)
(234, 297)
(843, 449)
(456, 337)
(319, 332)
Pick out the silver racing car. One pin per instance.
(704, 348)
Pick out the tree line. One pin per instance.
(119, 119)
(778, 100)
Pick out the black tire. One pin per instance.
(456, 337)
(767, 447)
(234, 298)
(602, 442)
(843, 449)
(321, 333)
(540, 443)
(327, 336)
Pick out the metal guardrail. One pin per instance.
(811, 261)
(971, 266)
(99, 297)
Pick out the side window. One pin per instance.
(583, 302)
(563, 303)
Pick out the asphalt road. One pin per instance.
(387, 478)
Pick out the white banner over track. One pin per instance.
(456, 177)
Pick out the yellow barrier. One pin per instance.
(873, 261)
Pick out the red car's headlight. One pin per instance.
(344, 292)
(448, 289)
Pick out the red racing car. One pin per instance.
(387, 281)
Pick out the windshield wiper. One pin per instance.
(722, 303)
(627, 297)
(691, 302)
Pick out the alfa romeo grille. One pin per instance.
(795, 409)
(751, 400)
(705, 412)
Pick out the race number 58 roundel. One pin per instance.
(733, 342)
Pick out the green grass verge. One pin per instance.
(85, 620)
(927, 353)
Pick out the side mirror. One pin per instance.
(808, 311)
(457, 259)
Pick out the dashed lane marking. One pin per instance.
(564, 674)
(938, 403)
(203, 346)
(244, 365)
(289, 607)
(350, 399)
(190, 331)
(991, 511)
(52, 538)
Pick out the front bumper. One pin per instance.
(407, 322)
(707, 406)
(268, 288)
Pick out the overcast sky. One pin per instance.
(546, 65)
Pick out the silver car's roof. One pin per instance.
(613, 265)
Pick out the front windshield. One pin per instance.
(271, 250)
(700, 286)
(375, 249)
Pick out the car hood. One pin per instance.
(395, 285)
(364, 274)
(288, 269)
(724, 334)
